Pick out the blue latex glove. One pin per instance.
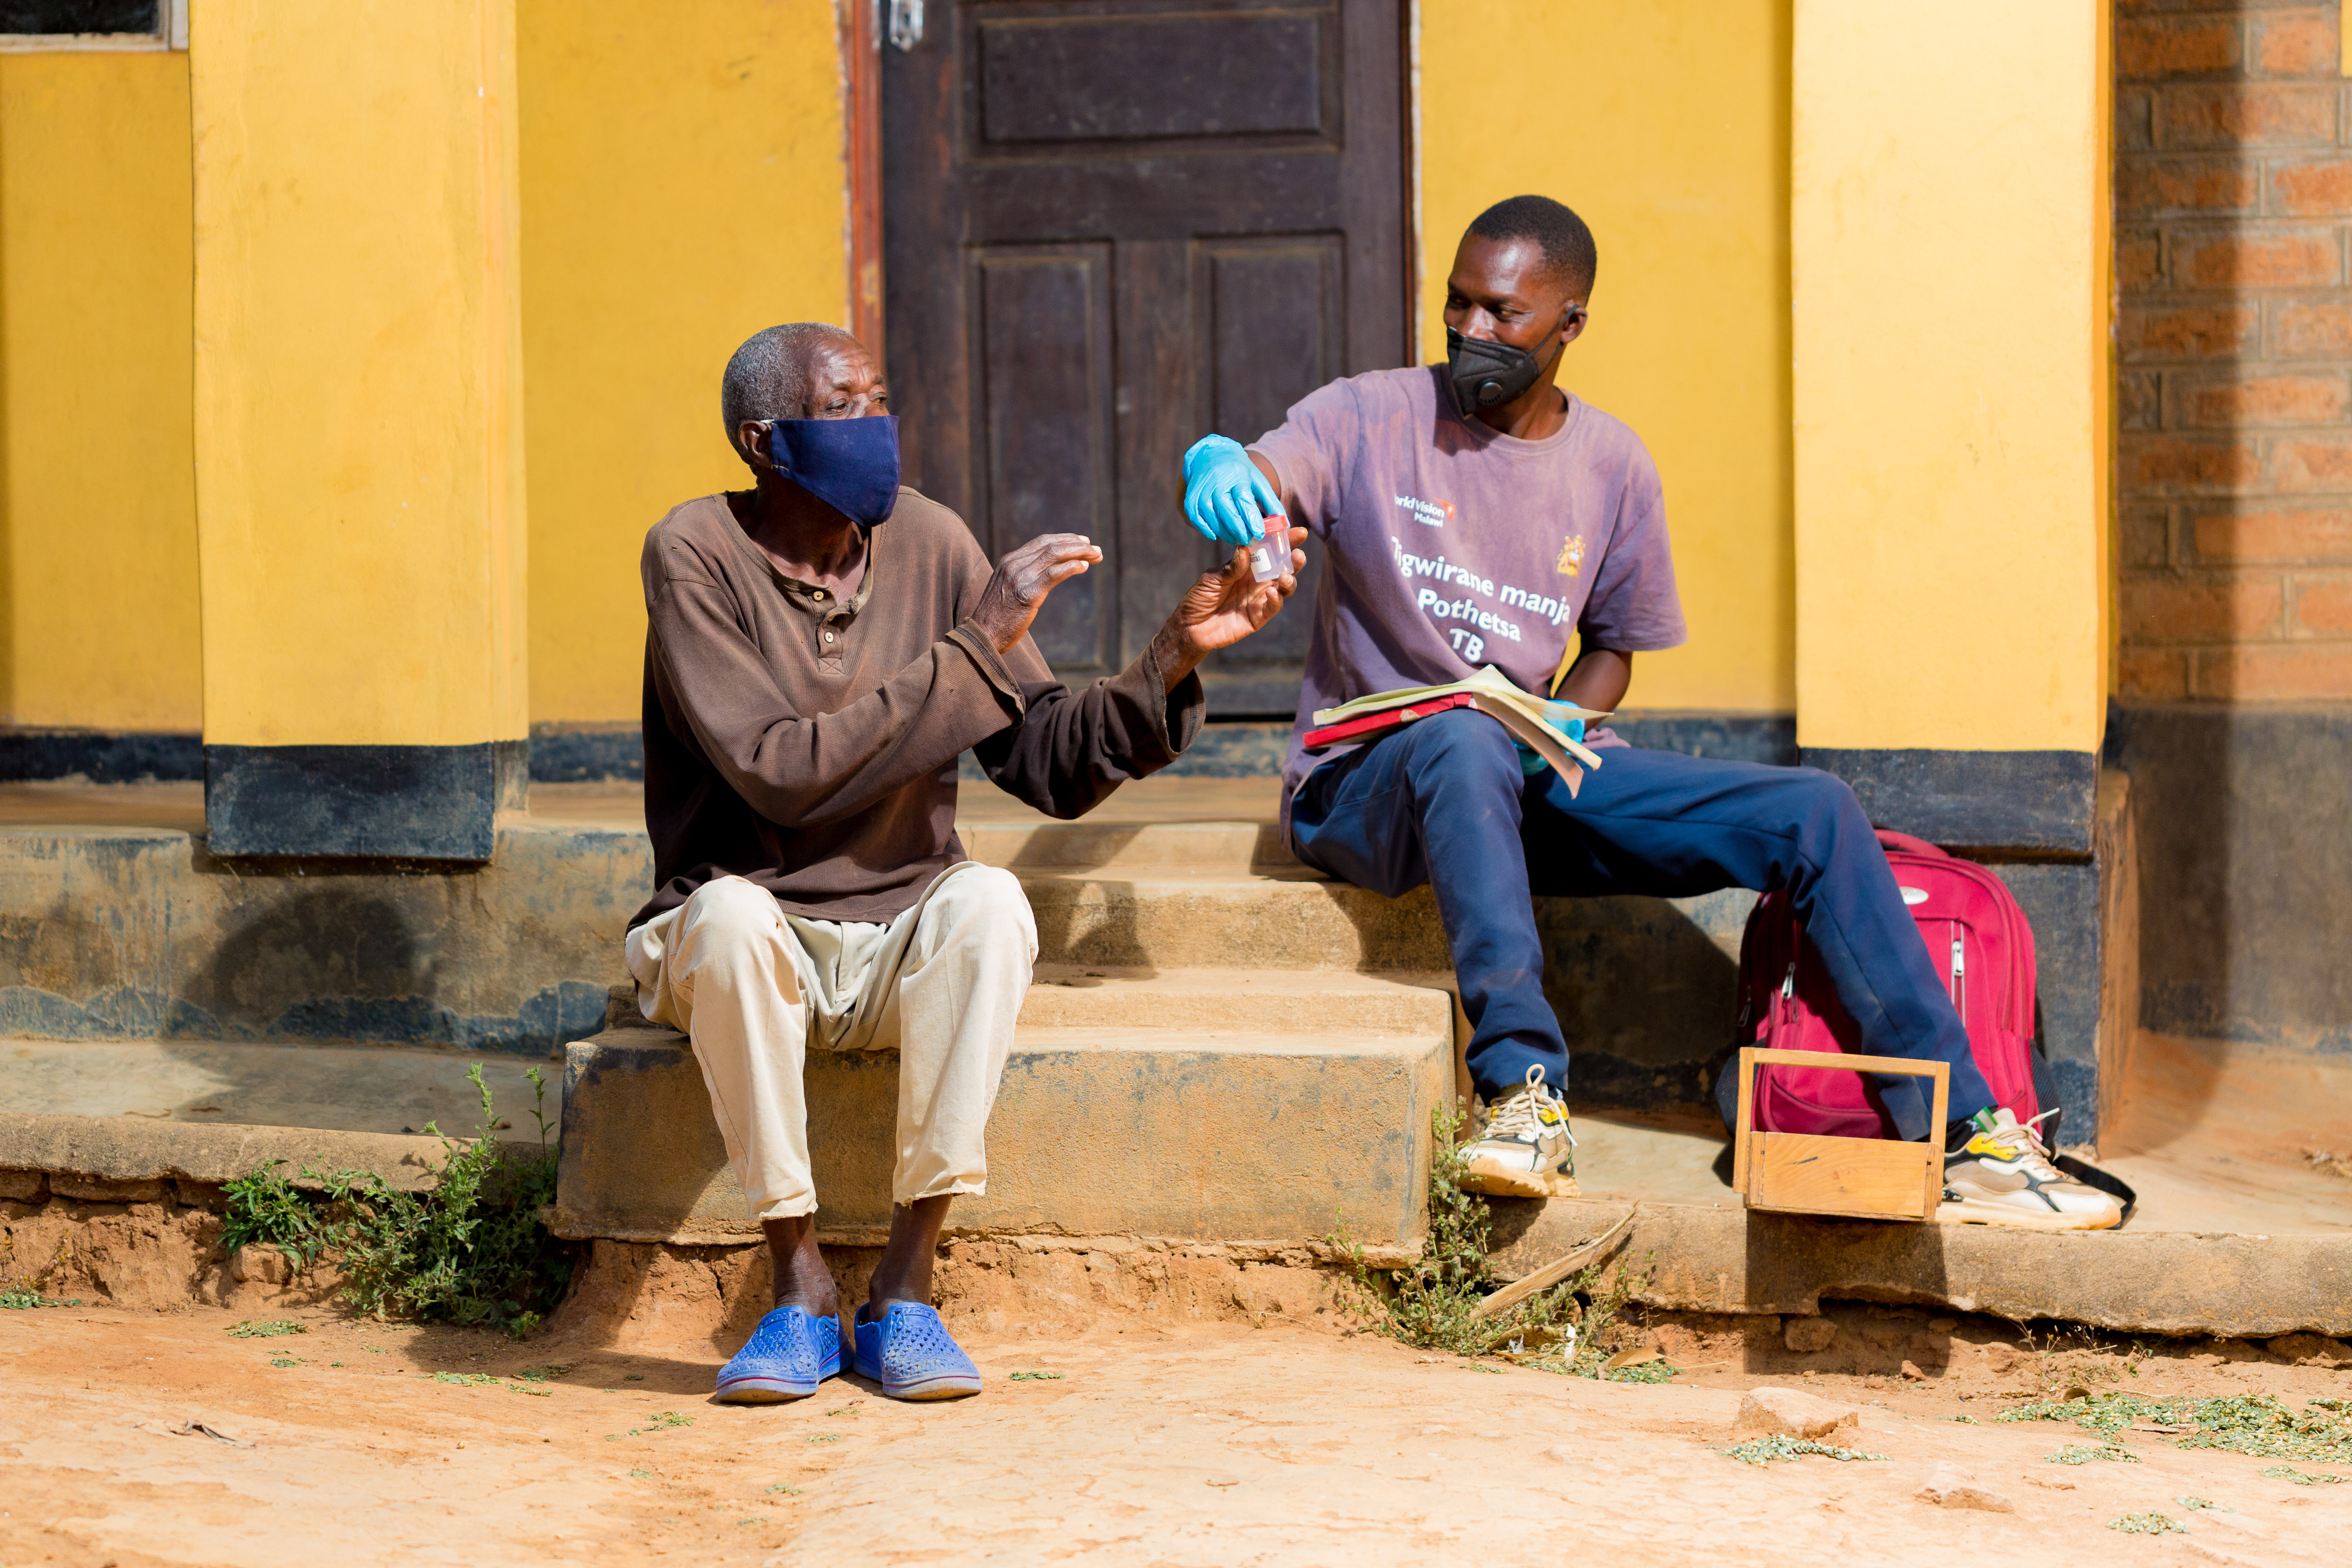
(1225, 495)
(1531, 760)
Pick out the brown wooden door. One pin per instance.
(1111, 226)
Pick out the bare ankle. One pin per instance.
(801, 1279)
(817, 1301)
(904, 1276)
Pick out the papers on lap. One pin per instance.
(1538, 724)
(1364, 726)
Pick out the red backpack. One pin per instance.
(1981, 944)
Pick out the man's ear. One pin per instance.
(1573, 327)
(752, 437)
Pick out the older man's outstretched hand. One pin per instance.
(1220, 609)
(1017, 589)
(1215, 612)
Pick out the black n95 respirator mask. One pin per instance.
(1487, 373)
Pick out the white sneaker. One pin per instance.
(2003, 1177)
(1525, 1150)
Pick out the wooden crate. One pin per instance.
(1869, 1178)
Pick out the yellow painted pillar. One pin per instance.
(1949, 234)
(358, 427)
(1950, 301)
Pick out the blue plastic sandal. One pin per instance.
(910, 1353)
(786, 1357)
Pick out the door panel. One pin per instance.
(1043, 351)
(1270, 315)
(1111, 226)
(1269, 319)
(1068, 79)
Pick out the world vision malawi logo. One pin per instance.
(1434, 513)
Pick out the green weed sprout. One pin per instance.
(469, 1251)
(1429, 1304)
(1780, 1446)
(2146, 1524)
(2084, 1453)
(27, 1299)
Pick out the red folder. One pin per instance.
(1364, 726)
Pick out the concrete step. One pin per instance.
(1644, 987)
(1183, 894)
(340, 1088)
(1066, 846)
(1178, 1133)
(1170, 917)
(132, 1159)
(1237, 1001)
(113, 930)
(1289, 1001)
(1719, 1258)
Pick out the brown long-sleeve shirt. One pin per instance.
(810, 745)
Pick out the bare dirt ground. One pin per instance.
(1146, 1442)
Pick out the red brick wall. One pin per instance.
(2233, 188)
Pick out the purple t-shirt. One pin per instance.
(1449, 545)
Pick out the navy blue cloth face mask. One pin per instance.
(851, 464)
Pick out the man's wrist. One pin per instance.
(1176, 654)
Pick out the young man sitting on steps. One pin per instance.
(821, 648)
(1474, 514)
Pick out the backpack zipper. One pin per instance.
(1959, 974)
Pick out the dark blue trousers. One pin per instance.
(1444, 801)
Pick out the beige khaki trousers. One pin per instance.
(753, 987)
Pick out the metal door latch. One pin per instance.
(906, 24)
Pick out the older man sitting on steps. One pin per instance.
(821, 648)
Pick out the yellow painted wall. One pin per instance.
(2105, 304)
(1950, 245)
(97, 532)
(358, 426)
(682, 188)
(1664, 124)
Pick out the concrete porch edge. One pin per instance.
(134, 1149)
(572, 1227)
(1712, 1259)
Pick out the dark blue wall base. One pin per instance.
(1732, 737)
(2034, 800)
(586, 753)
(2245, 857)
(1235, 749)
(101, 756)
(404, 803)
(2061, 900)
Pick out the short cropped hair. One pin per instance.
(768, 376)
(1558, 233)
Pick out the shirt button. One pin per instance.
(818, 593)
(828, 637)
